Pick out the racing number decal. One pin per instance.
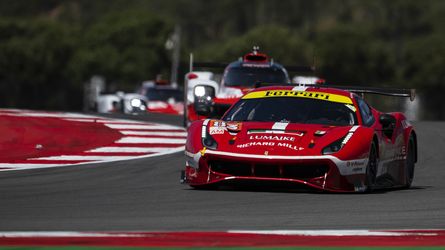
(302, 94)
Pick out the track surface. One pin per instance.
(145, 194)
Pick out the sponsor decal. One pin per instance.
(289, 146)
(272, 137)
(218, 124)
(280, 125)
(271, 144)
(355, 164)
(300, 94)
(234, 126)
(216, 131)
(359, 187)
(250, 144)
(256, 65)
(217, 127)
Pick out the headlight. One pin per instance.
(136, 103)
(137, 106)
(200, 91)
(204, 91)
(143, 107)
(203, 99)
(209, 142)
(333, 147)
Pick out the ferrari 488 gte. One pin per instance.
(324, 138)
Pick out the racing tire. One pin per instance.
(410, 163)
(371, 169)
(205, 187)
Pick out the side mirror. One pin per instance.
(388, 124)
(203, 96)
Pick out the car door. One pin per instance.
(387, 143)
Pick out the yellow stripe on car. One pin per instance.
(301, 94)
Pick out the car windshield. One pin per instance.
(249, 76)
(156, 94)
(292, 109)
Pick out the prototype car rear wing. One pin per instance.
(193, 64)
(219, 65)
(300, 69)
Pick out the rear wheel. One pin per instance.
(410, 162)
(371, 168)
(205, 187)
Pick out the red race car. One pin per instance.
(325, 138)
(206, 98)
(162, 97)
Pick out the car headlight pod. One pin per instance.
(209, 142)
(204, 91)
(136, 103)
(200, 91)
(333, 147)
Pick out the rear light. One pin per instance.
(320, 81)
(255, 58)
(191, 76)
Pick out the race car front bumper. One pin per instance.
(325, 172)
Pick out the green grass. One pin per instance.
(218, 248)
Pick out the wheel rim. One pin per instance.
(410, 164)
(371, 171)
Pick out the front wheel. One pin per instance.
(410, 162)
(371, 168)
(212, 186)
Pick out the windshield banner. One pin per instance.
(301, 94)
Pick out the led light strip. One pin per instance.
(349, 135)
(204, 128)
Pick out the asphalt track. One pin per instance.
(145, 195)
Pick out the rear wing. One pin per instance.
(218, 65)
(411, 93)
(300, 69)
(214, 65)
